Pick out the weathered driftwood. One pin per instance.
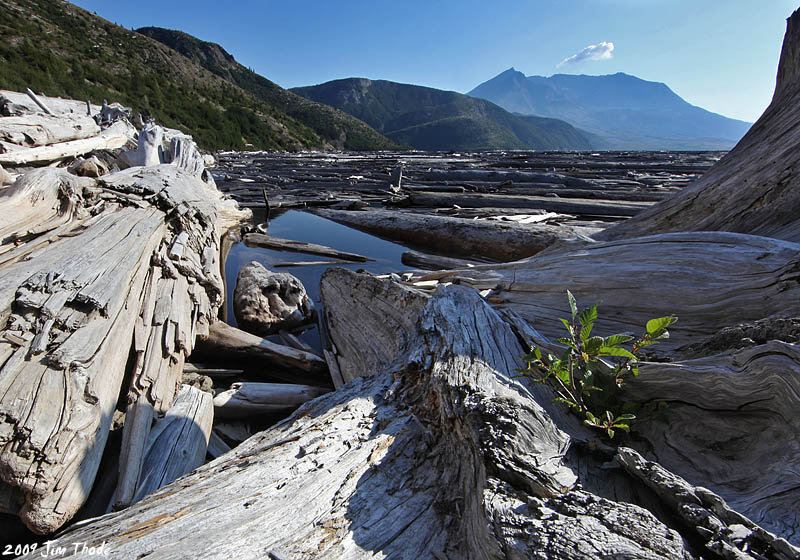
(269, 242)
(177, 443)
(249, 399)
(81, 283)
(456, 237)
(730, 420)
(755, 187)
(264, 302)
(224, 339)
(40, 130)
(19, 103)
(441, 453)
(551, 204)
(116, 136)
(710, 280)
(434, 262)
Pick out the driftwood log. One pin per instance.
(90, 271)
(456, 237)
(439, 452)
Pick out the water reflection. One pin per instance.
(302, 226)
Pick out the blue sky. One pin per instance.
(719, 54)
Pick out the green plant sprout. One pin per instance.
(588, 376)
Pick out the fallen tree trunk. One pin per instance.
(249, 399)
(41, 130)
(442, 452)
(227, 340)
(116, 136)
(268, 242)
(456, 237)
(711, 280)
(580, 206)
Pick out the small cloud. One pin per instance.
(600, 51)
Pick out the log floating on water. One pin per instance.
(268, 242)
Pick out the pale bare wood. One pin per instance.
(223, 338)
(41, 130)
(178, 442)
(38, 101)
(268, 242)
(116, 136)
(249, 399)
(434, 262)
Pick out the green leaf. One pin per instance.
(563, 375)
(593, 345)
(567, 324)
(623, 427)
(616, 351)
(573, 305)
(626, 417)
(654, 325)
(588, 315)
(538, 353)
(610, 432)
(590, 416)
(586, 331)
(617, 339)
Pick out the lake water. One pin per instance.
(302, 226)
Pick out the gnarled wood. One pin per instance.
(269, 242)
(41, 130)
(249, 399)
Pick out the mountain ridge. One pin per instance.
(432, 119)
(60, 49)
(627, 111)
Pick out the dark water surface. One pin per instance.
(302, 226)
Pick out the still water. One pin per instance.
(301, 226)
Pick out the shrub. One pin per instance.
(589, 375)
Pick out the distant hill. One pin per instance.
(60, 49)
(337, 127)
(432, 119)
(625, 111)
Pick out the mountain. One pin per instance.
(625, 111)
(59, 49)
(337, 127)
(432, 119)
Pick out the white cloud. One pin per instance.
(600, 51)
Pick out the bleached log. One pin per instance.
(442, 453)
(729, 419)
(116, 136)
(580, 206)
(269, 242)
(710, 280)
(249, 399)
(177, 443)
(76, 284)
(434, 262)
(41, 130)
(224, 339)
(456, 237)
(38, 101)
